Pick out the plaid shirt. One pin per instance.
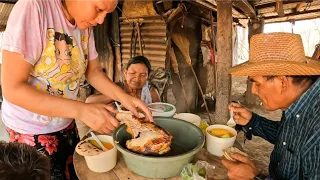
(296, 138)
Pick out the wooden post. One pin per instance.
(116, 44)
(255, 27)
(224, 60)
(110, 60)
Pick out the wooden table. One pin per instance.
(121, 172)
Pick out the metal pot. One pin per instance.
(188, 139)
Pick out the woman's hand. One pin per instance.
(243, 169)
(241, 115)
(98, 117)
(134, 104)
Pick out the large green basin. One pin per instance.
(188, 139)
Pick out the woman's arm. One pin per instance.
(15, 73)
(155, 95)
(104, 85)
(98, 98)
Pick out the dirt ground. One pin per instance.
(258, 149)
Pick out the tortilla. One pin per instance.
(85, 148)
(228, 151)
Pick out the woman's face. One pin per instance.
(90, 13)
(136, 76)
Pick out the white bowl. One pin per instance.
(104, 161)
(215, 145)
(192, 118)
(162, 109)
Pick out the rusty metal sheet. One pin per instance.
(153, 36)
(5, 10)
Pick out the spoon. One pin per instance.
(118, 106)
(98, 141)
(231, 122)
(156, 110)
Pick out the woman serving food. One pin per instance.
(48, 50)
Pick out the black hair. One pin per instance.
(140, 60)
(298, 80)
(60, 37)
(21, 161)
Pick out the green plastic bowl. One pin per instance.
(188, 139)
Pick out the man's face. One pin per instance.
(271, 92)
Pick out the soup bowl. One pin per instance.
(216, 144)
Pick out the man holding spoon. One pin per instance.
(283, 78)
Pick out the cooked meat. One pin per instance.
(147, 138)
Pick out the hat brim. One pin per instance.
(277, 68)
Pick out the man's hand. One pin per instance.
(243, 169)
(241, 115)
(134, 105)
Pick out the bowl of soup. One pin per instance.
(104, 161)
(219, 137)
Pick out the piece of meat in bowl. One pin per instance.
(147, 138)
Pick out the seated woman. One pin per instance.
(136, 83)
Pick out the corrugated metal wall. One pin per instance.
(154, 40)
(5, 10)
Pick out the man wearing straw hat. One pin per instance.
(283, 78)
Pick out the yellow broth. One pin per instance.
(220, 133)
(105, 144)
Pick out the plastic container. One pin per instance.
(215, 145)
(104, 161)
(192, 118)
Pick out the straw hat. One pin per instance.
(277, 54)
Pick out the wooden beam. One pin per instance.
(263, 2)
(115, 34)
(300, 6)
(279, 8)
(206, 4)
(212, 6)
(255, 27)
(224, 60)
(237, 14)
(288, 8)
(294, 16)
(246, 7)
(266, 3)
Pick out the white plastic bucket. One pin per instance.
(215, 145)
(104, 161)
